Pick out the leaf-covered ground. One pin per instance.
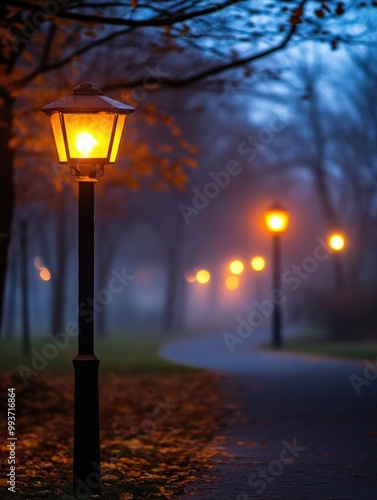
(157, 431)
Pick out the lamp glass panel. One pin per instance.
(56, 127)
(89, 134)
(117, 137)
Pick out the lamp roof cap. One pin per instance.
(87, 98)
(276, 206)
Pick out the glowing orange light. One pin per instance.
(232, 282)
(45, 274)
(85, 144)
(189, 276)
(336, 241)
(203, 276)
(236, 267)
(276, 219)
(258, 263)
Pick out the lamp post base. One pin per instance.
(86, 462)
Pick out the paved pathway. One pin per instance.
(303, 432)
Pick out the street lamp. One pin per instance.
(337, 242)
(276, 219)
(257, 264)
(87, 128)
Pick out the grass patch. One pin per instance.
(129, 354)
(321, 347)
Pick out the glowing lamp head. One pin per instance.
(336, 241)
(258, 263)
(203, 276)
(276, 219)
(87, 126)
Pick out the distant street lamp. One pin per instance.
(276, 219)
(257, 264)
(87, 128)
(337, 242)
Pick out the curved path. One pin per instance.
(302, 431)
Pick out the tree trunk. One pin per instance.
(6, 187)
(60, 278)
(181, 308)
(173, 268)
(320, 177)
(24, 256)
(12, 294)
(107, 245)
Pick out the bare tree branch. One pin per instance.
(135, 23)
(216, 69)
(45, 68)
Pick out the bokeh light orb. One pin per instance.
(232, 282)
(258, 263)
(189, 276)
(203, 276)
(38, 262)
(236, 267)
(45, 274)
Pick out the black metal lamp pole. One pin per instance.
(86, 462)
(276, 317)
